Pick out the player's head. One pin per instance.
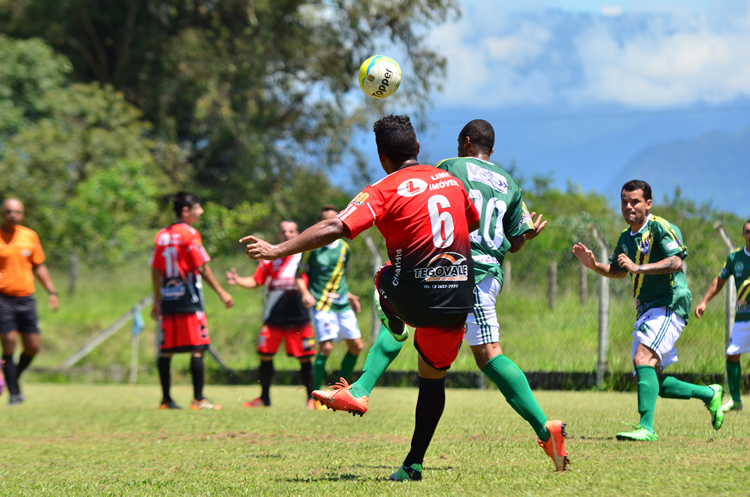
(396, 140)
(287, 230)
(477, 138)
(12, 212)
(327, 212)
(187, 207)
(635, 201)
(746, 232)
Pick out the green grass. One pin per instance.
(535, 337)
(111, 440)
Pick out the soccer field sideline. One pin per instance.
(104, 439)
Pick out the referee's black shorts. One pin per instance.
(18, 313)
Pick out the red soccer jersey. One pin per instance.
(177, 255)
(424, 215)
(283, 301)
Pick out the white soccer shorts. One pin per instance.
(740, 341)
(659, 329)
(337, 326)
(481, 325)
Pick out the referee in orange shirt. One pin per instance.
(21, 257)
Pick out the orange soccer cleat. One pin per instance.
(339, 398)
(555, 446)
(255, 403)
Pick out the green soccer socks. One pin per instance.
(515, 387)
(381, 355)
(319, 372)
(734, 374)
(648, 391)
(347, 365)
(672, 388)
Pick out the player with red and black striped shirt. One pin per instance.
(179, 263)
(425, 217)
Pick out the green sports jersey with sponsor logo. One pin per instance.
(657, 240)
(738, 264)
(325, 268)
(503, 214)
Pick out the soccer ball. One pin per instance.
(379, 76)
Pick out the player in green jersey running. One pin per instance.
(331, 305)
(505, 226)
(738, 264)
(652, 251)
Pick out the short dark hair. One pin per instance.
(481, 134)
(184, 199)
(326, 208)
(636, 184)
(745, 224)
(396, 138)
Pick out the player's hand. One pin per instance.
(156, 310)
(624, 262)
(700, 310)
(259, 249)
(232, 276)
(538, 227)
(227, 299)
(53, 303)
(308, 300)
(585, 255)
(354, 302)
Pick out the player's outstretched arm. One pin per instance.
(316, 236)
(208, 275)
(668, 265)
(587, 258)
(45, 279)
(517, 242)
(713, 290)
(244, 281)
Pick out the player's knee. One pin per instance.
(355, 346)
(326, 347)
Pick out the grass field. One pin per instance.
(110, 440)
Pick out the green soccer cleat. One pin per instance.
(640, 434)
(731, 405)
(714, 407)
(412, 473)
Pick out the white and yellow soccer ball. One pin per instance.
(379, 76)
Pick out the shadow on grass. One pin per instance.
(354, 477)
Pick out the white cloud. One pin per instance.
(653, 60)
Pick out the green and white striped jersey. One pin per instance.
(325, 268)
(503, 214)
(738, 264)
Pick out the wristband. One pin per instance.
(53, 294)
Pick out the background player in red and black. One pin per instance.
(179, 262)
(285, 318)
(425, 217)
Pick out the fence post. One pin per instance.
(552, 284)
(583, 286)
(507, 275)
(73, 274)
(377, 262)
(731, 290)
(601, 365)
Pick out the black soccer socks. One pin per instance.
(430, 407)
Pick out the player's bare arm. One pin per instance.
(354, 302)
(307, 299)
(208, 275)
(517, 242)
(669, 265)
(713, 290)
(244, 281)
(587, 258)
(156, 283)
(316, 236)
(42, 274)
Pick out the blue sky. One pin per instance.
(579, 88)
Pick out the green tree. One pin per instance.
(251, 90)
